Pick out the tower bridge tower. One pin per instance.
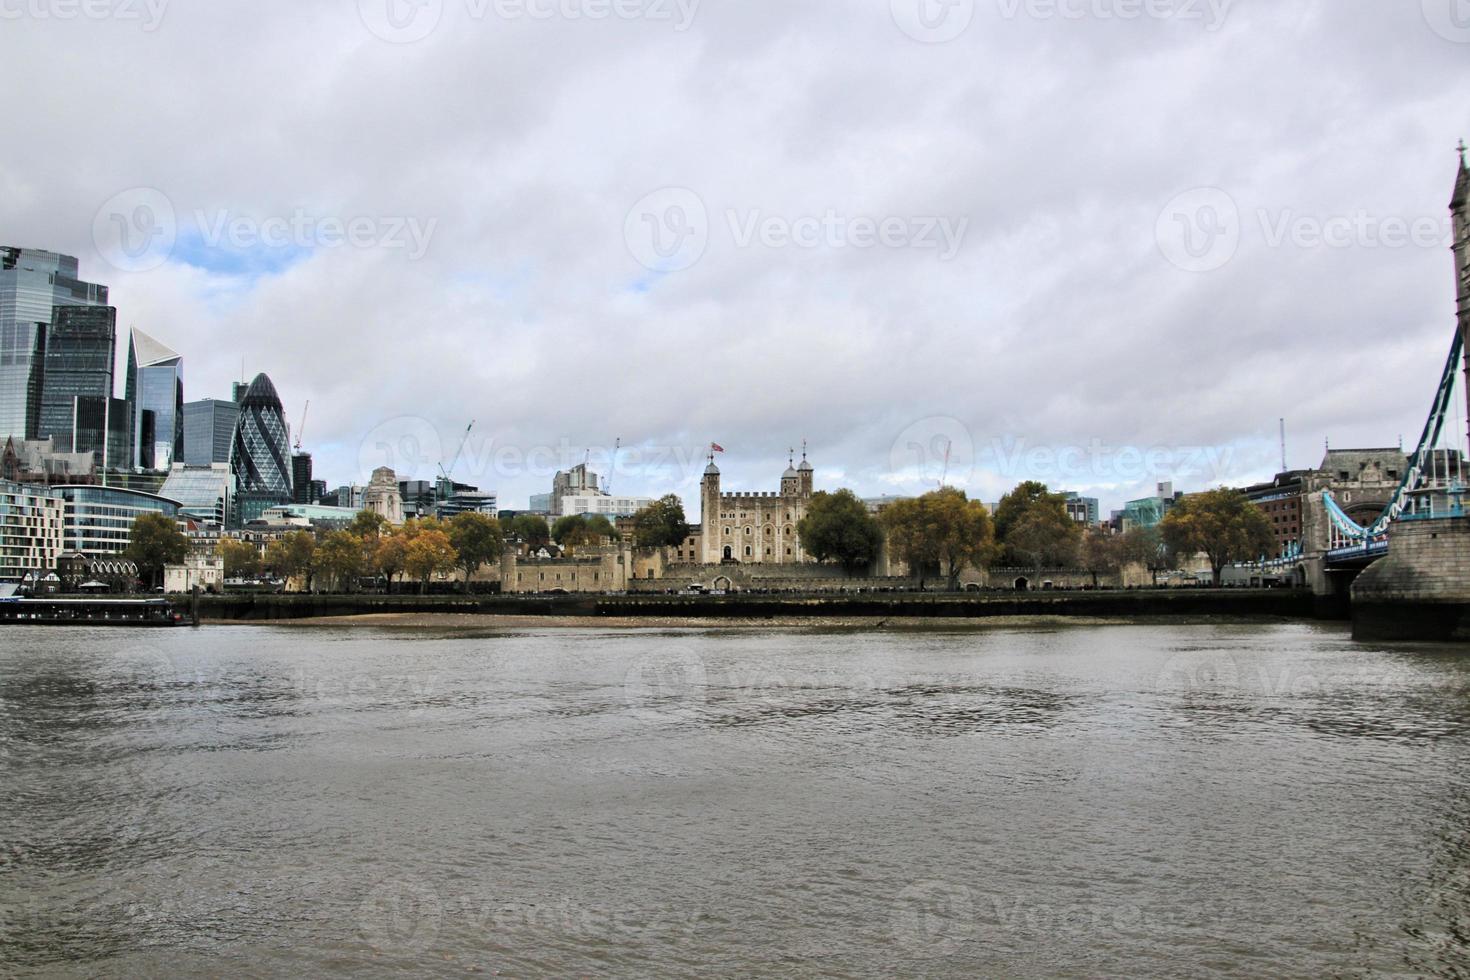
(1460, 215)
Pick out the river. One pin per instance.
(1142, 801)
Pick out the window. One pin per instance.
(747, 551)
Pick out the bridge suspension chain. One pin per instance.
(1421, 461)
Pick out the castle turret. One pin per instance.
(709, 511)
(804, 474)
(790, 480)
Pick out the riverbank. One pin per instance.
(867, 610)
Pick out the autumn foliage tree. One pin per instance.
(837, 527)
(1222, 524)
(943, 530)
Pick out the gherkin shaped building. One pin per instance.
(260, 457)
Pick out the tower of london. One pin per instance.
(754, 528)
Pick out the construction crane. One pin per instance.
(612, 466)
(455, 461)
(301, 429)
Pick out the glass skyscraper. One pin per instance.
(261, 457)
(155, 384)
(209, 430)
(77, 363)
(104, 428)
(33, 284)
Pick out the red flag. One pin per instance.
(716, 447)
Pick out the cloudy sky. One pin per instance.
(1095, 242)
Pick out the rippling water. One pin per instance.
(1129, 801)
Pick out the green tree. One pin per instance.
(428, 552)
(242, 559)
(1101, 553)
(368, 525)
(1222, 524)
(339, 556)
(943, 530)
(578, 530)
(156, 541)
(530, 529)
(837, 527)
(1033, 528)
(661, 523)
(290, 555)
(477, 539)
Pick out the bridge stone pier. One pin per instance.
(1421, 589)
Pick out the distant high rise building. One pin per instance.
(209, 430)
(33, 285)
(155, 383)
(80, 346)
(301, 478)
(260, 458)
(104, 428)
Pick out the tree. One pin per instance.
(389, 555)
(1034, 529)
(368, 525)
(837, 527)
(941, 530)
(661, 524)
(477, 539)
(242, 559)
(576, 530)
(290, 556)
(530, 529)
(1145, 546)
(427, 552)
(1101, 553)
(1222, 524)
(156, 541)
(339, 557)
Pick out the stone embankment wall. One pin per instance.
(1421, 589)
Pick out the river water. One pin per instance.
(1142, 801)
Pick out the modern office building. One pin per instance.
(1147, 512)
(104, 428)
(155, 384)
(34, 284)
(1084, 510)
(301, 478)
(597, 503)
(468, 501)
(310, 515)
(99, 520)
(205, 493)
(349, 495)
(80, 346)
(260, 457)
(209, 430)
(30, 529)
